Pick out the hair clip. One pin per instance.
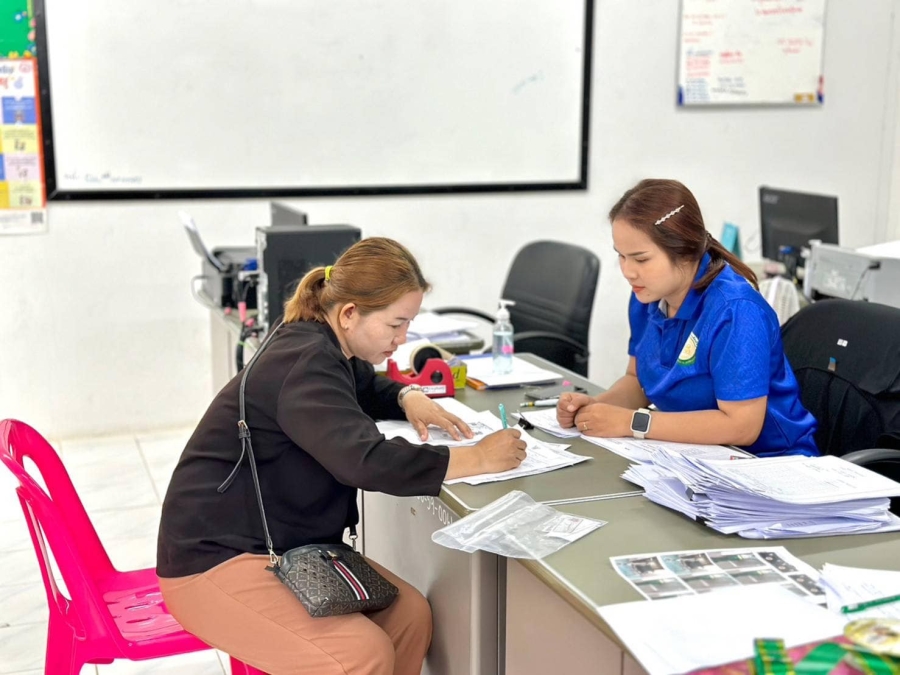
(668, 215)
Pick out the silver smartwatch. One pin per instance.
(403, 392)
(640, 422)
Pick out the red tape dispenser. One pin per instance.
(429, 370)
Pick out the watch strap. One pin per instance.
(403, 392)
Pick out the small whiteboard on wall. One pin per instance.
(251, 98)
(751, 52)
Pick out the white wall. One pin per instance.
(892, 231)
(893, 226)
(888, 227)
(101, 333)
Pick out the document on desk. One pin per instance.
(541, 456)
(642, 451)
(700, 631)
(545, 420)
(770, 498)
(658, 576)
(481, 369)
(853, 585)
(481, 424)
(805, 480)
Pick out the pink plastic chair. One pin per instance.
(111, 614)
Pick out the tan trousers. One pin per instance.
(246, 612)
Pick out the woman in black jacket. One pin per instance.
(311, 402)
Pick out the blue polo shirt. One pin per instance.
(723, 344)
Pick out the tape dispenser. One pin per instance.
(429, 370)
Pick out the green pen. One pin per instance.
(860, 606)
(503, 416)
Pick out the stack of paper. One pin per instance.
(541, 456)
(861, 590)
(774, 497)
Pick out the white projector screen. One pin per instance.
(192, 98)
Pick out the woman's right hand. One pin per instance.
(500, 451)
(569, 405)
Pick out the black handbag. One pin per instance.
(328, 579)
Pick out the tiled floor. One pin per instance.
(121, 481)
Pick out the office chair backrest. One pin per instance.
(846, 356)
(553, 286)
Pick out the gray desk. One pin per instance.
(467, 591)
(568, 635)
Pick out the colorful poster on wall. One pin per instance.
(22, 194)
(17, 37)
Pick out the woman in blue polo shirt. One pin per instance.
(705, 347)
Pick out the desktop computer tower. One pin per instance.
(286, 253)
(221, 282)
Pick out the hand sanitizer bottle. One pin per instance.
(503, 340)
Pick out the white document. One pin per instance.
(481, 368)
(540, 458)
(429, 325)
(821, 527)
(658, 576)
(545, 420)
(851, 585)
(481, 424)
(699, 631)
(806, 480)
(643, 450)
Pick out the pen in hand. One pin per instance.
(502, 409)
(540, 403)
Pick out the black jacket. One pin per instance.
(311, 413)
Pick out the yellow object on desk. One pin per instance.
(459, 371)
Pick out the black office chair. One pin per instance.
(846, 356)
(553, 286)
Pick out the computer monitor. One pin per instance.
(794, 219)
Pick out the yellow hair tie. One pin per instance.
(328, 273)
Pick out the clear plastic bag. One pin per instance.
(515, 526)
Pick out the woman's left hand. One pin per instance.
(421, 411)
(604, 420)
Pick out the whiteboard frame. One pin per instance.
(54, 193)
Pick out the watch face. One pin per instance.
(640, 422)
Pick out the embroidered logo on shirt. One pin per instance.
(689, 351)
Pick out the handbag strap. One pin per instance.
(247, 447)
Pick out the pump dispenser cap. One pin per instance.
(503, 312)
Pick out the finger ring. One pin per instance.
(584, 426)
